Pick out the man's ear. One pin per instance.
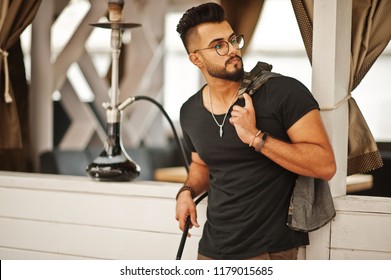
(196, 60)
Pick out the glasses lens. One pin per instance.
(222, 48)
(238, 42)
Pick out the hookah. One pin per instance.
(113, 163)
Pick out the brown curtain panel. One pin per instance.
(15, 15)
(243, 16)
(371, 32)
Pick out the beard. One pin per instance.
(222, 73)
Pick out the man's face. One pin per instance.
(226, 67)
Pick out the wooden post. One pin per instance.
(41, 110)
(330, 81)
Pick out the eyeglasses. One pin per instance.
(222, 47)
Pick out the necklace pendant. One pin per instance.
(221, 131)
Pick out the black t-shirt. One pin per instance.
(249, 194)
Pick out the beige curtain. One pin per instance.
(15, 15)
(243, 16)
(371, 32)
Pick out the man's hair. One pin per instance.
(208, 12)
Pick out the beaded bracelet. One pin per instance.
(186, 188)
(256, 135)
(262, 142)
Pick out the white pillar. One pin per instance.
(41, 110)
(330, 80)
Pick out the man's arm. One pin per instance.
(198, 180)
(309, 154)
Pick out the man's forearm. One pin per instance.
(302, 158)
(198, 178)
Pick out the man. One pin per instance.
(246, 152)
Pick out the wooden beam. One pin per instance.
(330, 81)
(99, 86)
(83, 121)
(143, 73)
(41, 105)
(75, 46)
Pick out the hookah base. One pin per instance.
(113, 172)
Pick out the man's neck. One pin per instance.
(222, 97)
(222, 91)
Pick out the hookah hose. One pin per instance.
(202, 196)
(186, 229)
(142, 97)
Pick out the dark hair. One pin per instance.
(207, 12)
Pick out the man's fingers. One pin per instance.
(194, 222)
(193, 218)
(248, 102)
(182, 225)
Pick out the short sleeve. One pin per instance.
(182, 118)
(289, 100)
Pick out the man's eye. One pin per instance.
(219, 46)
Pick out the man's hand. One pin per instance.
(243, 119)
(186, 207)
(198, 179)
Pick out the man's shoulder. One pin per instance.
(192, 101)
(282, 80)
(285, 85)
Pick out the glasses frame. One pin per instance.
(227, 43)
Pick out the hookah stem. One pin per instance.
(115, 15)
(115, 52)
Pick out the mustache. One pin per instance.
(232, 58)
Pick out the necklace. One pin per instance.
(225, 116)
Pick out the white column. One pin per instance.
(330, 81)
(41, 110)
